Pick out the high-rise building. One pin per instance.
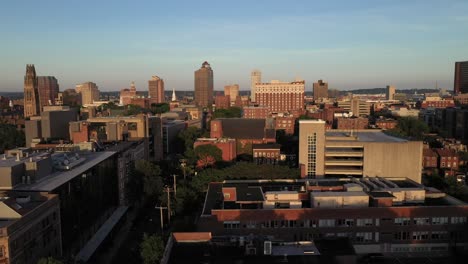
(232, 91)
(156, 90)
(390, 92)
(280, 96)
(31, 94)
(320, 90)
(89, 92)
(48, 88)
(255, 77)
(204, 85)
(461, 77)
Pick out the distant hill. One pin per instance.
(382, 91)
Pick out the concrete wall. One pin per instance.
(32, 130)
(396, 159)
(55, 124)
(306, 128)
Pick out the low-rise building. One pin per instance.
(391, 216)
(255, 112)
(430, 158)
(30, 227)
(266, 153)
(226, 145)
(352, 123)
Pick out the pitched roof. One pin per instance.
(242, 128)
(429, 153)
(446, 152)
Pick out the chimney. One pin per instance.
(17, 157)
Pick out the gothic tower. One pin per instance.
(31, 94)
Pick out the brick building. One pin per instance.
(393, 216)
(255, 112)
(126, 95)
(266, 153)
(285, 123)
(222, 101)
(448, 159)
(226, 145)
(352, 123)
(430, 158)
(280, 96)
(245, 131)
(386, 123)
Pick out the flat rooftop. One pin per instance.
(362, 136)
(56, 179)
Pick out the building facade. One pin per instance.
(204, 85)
(280, 96)
(222, 101)
(394, 216)
(30, 227)
(233, 91)
(226, 145)
(48, 88)
(126, 95)
(255, 112)
(461, 77)
(89, 92)
(31, 93)
(356, 106)
(156, 90)
(255, 77)
(357, 153)
(320, 90)
(390, 92)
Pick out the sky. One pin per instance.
(350, 44)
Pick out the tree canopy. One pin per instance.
(151, 175)
(231, 112)
(10, 137)
(151, 249)
(410, 127)
(49, 260)
(207, 155)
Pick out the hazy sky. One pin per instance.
(350, 44)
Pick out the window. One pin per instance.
(421, 235)
(231, 224)
(439, 234)
(364, 222)
(459, 220)
(345, 222)
(326, 222)
(439, 220)
(402, 221)
(364, 236)
(401, 235)
(421, 221)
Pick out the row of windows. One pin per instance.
(348, 222)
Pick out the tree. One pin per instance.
(151, 175)
(231, 112)
(49, 260)
(151, 249)
(160, 108)
(207, 155)
(10, 137)
(187, 137)
(410, 127)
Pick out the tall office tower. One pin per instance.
(89, 92)
(232, 91)
(48, 88)
(390, 92)
(461, 77)
(320, 90)
(204, 85)
(255, 77)
(280, 96)
(156, 90)
(31, 94)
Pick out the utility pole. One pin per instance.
(162, 218)
(175, 185)
(168, 190)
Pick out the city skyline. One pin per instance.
(349, 45)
